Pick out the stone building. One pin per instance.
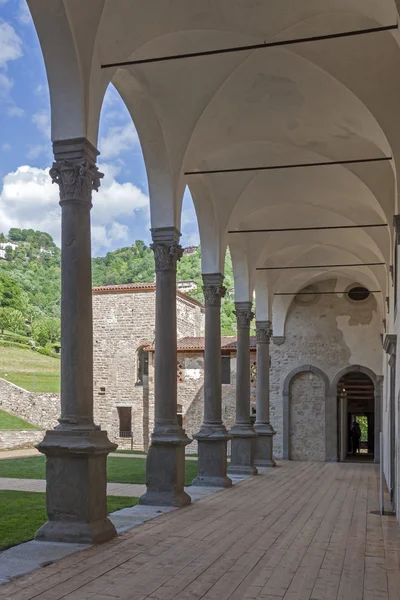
(123, 326)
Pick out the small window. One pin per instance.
(358, 293)
(226, 369)
(142, 365)
(125, 421)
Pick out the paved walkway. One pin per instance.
(24, 452)
(300, 531)
(39, 485)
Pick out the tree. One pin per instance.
(46, 331)
(2, 237)
(10, 293)
(12, 320)
(9, 254)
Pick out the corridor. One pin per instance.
(301, 531)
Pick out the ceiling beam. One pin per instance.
(324, 163)
(284, 268)
(319, 228)
(315, 38)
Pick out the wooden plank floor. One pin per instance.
(300, 531)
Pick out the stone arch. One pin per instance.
(332, 400)
(286, 407)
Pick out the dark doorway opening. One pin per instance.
(356, 412)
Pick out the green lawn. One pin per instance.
(22, 513)
(8, 421)
(119, 470)
(30, 370)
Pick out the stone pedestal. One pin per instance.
(262, 426)
(76, 451)
(242, 432)
(212, 437)
(165, 466)
(76, 487)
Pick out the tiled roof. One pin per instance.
(139, 287)
(228, 342)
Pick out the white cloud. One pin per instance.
(118, 139)
(35, 151)
(5, 85)
(42, 121)
(6, 147)
(15, 111)
(24, 16)
(10, 44)
(30, 200)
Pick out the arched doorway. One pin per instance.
(356, 403)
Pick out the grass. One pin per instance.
(22, 513)
(30, 370)
(145, 453)
(8, 422)
(118, 471)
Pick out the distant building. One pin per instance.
(186, 286)
(190, 249)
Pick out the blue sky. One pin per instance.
(120, 213)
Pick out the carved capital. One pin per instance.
(166, 248)
(244, 314)
(263, 332)
(75, 171)
(213, 289)
(166, 255)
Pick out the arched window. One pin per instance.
(142, 365)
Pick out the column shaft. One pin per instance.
(242, 432)
(165, 465)
(77, 449)
(212, 437)
(263, 428)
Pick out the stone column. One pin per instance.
(76, 450)
(165, 466)
(212, 437)
(242, 432)
(264, 430)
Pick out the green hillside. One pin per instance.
(30, 370)
(30, 284)
(9, 422)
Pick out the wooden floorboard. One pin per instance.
(302, 531)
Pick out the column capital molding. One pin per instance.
(166, 248)
(243, 314)
(213, 289)
(75, 171)
(263, 332)
(396, 225)
(389, 344)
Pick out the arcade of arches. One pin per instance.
(284, 124)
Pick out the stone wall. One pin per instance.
(20, 439)
(39, 409)
(123, 322)
(330, 332)
(307, 435)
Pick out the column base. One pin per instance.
(212, 461)
(242, 451)
(165, 472)
(76, 493)
(263, 453)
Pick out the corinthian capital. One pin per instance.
(244, 314)
(263, 332)
(75, 171)
(166, 248)
(213, 289)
